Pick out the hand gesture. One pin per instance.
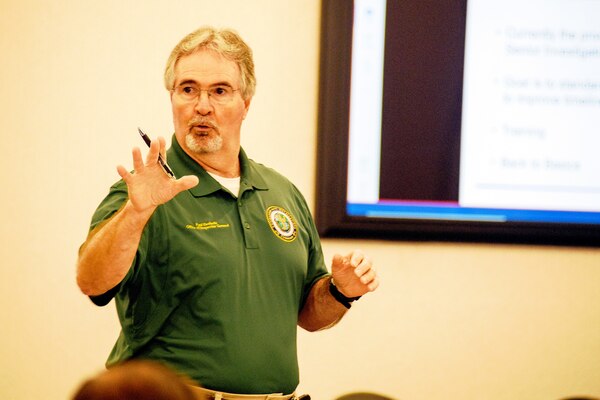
(149, 186)
(354, 274)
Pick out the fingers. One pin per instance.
(162, 147)
(123, 172)
(354, 274)
(363, 269)
(370, 279)
(140, 167)
(152, 156)
(138, 164)
(156, 147)
(356, 260)
(148, 185)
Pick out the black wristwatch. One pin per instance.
(345, 301)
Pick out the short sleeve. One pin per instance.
(114, 200)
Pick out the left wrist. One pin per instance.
(339, 296)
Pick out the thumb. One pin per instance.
(186, 182)
(339, 261)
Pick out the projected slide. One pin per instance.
(531, 106)
(464, 120)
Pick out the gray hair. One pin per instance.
(225, 42)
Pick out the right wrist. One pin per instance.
(136, 216)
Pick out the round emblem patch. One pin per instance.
(282, 223)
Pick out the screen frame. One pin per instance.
(331, 217)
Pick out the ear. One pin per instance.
(246, 106)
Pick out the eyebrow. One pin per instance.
(191, 81)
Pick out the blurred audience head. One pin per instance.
(136, 379)
(580, 398)
(363, 396)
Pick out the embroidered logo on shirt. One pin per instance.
(282, 223)
(204, 226)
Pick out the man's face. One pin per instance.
(203, 125)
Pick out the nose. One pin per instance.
(203, 104)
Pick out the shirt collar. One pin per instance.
(182, 164)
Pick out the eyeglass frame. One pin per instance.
(211, 98)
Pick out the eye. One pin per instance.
(188, 90)
(220, 91)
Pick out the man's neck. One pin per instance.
(222, 163)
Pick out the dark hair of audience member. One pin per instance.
(136, 379)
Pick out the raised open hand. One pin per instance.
(149, 186)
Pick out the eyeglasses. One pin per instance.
(219, 94)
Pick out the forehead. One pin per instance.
(206, 67)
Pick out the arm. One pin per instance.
(107, 254)
(354, 276)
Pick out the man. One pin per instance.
(213, 271)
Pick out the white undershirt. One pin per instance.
(231, 184)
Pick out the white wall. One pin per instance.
(449, 322)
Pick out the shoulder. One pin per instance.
(273, 179)
(283, 191)
(266, 171)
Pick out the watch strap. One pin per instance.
(339, 296)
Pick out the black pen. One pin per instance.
(161, 161)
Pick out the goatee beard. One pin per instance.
(199, 144)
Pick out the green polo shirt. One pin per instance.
(218, 281)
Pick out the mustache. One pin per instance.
(202, 121)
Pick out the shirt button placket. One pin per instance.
(249, 238)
